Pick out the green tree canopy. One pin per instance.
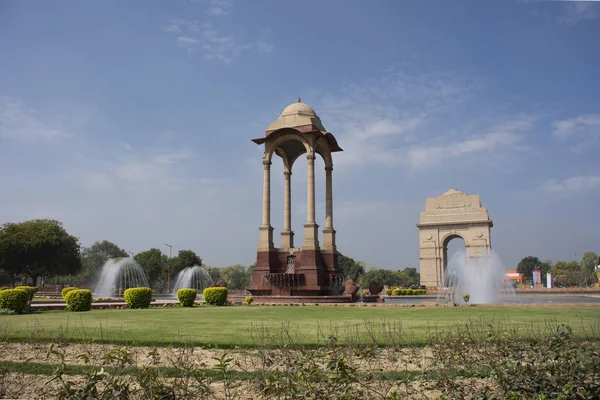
(405, 278)
(350, 268)
(94, 257)
(527, 265)
(234, 276)
(588, 265)
(153, 262)
(38, 248)
(215, 273)
(572, 269)
(184, 259)
(249, 271)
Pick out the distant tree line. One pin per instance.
(564, 273)
(42, 252)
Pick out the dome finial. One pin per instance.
(299, 99)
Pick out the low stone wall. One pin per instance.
(292, 299)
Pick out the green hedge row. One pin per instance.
(14, 299)
(67, 290)
(407, 292)
(216, 296)
(139, 297)
(31, 290)
(187, 297)
(79, 300)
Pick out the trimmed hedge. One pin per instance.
(14, 299)
(248, 300)
(139, 297)
(408, 292)
(216, 296)
(5, 288)
(388, 292)
(187, 297)
(79, 300)
(31, 290)
(67, 290)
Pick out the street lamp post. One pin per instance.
(169, 269)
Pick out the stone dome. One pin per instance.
(298, 115)
(299, 108)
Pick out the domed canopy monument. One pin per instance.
(453, 214)
(310, 270)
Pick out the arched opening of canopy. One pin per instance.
(287, 144)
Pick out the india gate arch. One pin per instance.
(309, 269)
(450, 215)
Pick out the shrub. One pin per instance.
(79, 300)
(67, 290)
(31, 290)
(187, 297)
(215, 295)
(396, 292)
(466, 298)
(409, 292)
(388, 292)
(14, 299)
(365, 292)
(139, 297)
(4, 288)
(248, 300)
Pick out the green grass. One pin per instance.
(240, 325)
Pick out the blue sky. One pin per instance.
(131, 121)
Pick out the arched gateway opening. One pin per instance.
(447, 218)
(309, 269)
(453, 246)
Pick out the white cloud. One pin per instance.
(219, 7)
(207, 39)
(575, 12)
(420, 157)
(154, 171)
(588, 124)
(408, 119)
(575, 183)
(21, 123)
(187, 40)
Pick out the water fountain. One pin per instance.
(119, 274)
(482, 278)
(194, 277)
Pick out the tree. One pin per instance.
(215, 273)
(95, 256)
(154, 263)
(588, 265)
(406, 278)
(572, 269)
(249, 271)
(184, 259)
(38, 248)
(527, 265)
(234, 276)
(349, 268)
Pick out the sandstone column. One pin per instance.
(266, 231)
(328, 232)
(310, 228)
(287, 236)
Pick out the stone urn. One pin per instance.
(375, 288)
(351, 288)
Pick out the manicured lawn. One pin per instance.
(246, 326)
